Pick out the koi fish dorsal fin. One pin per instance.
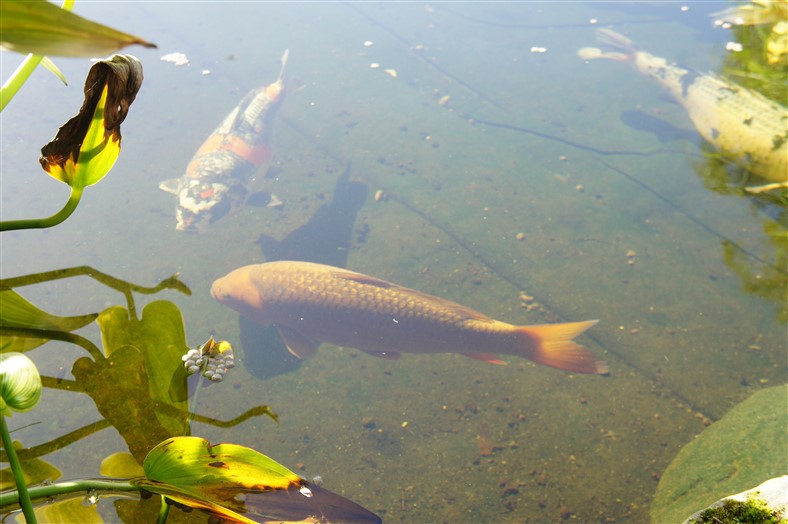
(297, 344)
(416, 295)
(363, 279)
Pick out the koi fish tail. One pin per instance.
(285, 55)
(552, 345)
(622, 47)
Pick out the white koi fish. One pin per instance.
(742, 124)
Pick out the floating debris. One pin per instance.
(206, 72)
(374, 65)
(179, 59)
(520, 236)
(369, 43)
(593, 21)
(379, 195)
(391, 72)
(736, 47)
(536, 49)
(445, 99)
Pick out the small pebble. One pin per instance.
(520, 236)
(631, 254)
(580, 188)
(379, 195)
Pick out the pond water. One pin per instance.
(496, 169)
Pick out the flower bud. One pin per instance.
(20, 383)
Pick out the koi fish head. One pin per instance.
(237, 291)
(202, 202)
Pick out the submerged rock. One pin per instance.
(741, 450)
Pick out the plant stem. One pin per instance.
(17, 80)
(64, 488)
(16, 469)
(164, 511)
(39, 223)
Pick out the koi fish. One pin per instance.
(742, 124)
(216, 178)
(313, 303)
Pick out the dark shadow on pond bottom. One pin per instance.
(325, 239)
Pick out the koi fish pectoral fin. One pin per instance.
(297, 344)
(487, 357)
(172, 185)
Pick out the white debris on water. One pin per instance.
(179, 59)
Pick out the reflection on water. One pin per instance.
(575, 184)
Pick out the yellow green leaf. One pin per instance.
(34, 471)
(87, 146)
(17, 312)
(39, 27)
(239, 484)
(120, 465)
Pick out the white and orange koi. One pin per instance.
(216, 179)
(743, 125)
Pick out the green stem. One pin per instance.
(64, 488)
(39, 223)
(16, 469)
(164, 511)
(18, 79)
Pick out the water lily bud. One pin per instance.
(20, 383)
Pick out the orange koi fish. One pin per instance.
(312, 303)
(216, 178)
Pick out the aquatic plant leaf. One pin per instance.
(241, 484)
(118, 385)
(17, 312)
(87, 146)
(50, 66)
(39, 27)
(71, 509)
(34, 471)
(120, 465)
(160, 339)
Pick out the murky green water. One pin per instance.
(616, 225)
